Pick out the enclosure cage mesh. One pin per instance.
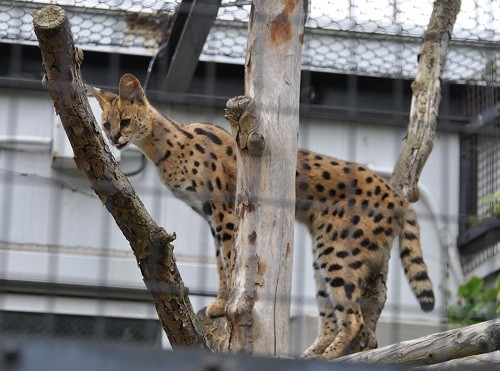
(376, 38)
(488, 170)
(482, 181)
(363, 37)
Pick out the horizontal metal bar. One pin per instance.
(489, 226)
(82, 291)
(454, 124)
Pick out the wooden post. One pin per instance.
(151, 244)
(426, 99)
(264, 123)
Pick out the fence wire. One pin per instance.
(481, 180)
(67, 272)
(363, 37)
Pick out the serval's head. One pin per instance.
(125, 117)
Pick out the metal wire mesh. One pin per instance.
(481, 171)
(488, 171)
(482, 181)
(67, 326)
(366, 37)
(88, 267)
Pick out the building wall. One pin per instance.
(54, 229)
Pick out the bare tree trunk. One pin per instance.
(265, 126)
(150, 243)
(426, 99)
(441, 347)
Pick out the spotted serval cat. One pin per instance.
(352, 214)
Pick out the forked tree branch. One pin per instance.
(426, 99)
(151, 244)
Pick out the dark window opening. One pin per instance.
(479, 237)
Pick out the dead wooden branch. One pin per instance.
(441, 347)
(265, 125)
(487, 361)
(426, 99)
(151, 244)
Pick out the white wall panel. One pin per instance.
(42, 206)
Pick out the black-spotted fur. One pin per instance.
(351, 213)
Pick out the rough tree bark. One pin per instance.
(264, 123)
(442, 347)
(151, 244)
(426, 99)
(486, 361)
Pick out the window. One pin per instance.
(479, 239)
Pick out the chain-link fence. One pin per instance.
(363, 37)
(67, 272)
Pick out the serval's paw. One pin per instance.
(217, 308)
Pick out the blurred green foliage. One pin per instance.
(475, 303)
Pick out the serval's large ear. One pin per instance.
(103, 97)
(131, 89)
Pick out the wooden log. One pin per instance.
(151, 244)
(488, 361)
(441, 347)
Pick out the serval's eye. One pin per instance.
(107, 126)
(124, 123)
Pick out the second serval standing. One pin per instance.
(352, 214)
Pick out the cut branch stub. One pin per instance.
(240, 112)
